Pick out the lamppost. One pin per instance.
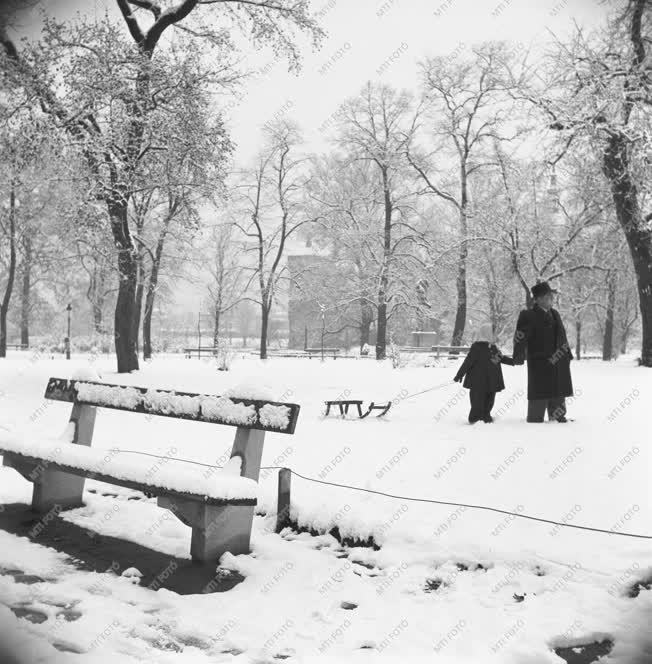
(67, 340)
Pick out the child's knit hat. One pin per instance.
(484, 333)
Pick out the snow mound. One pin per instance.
(172, 403)
(277, 417)
(123, 397)
(224, 409)
(134, 575)
(86, 372)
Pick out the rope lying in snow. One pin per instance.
(475, 507)
(408, 498)
(167, 458)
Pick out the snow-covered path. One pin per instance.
(464, 584)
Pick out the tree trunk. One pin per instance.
(381, 331)
(578, 339)
(26, 288)
(366, 318)
(152, 285)
(125, 307)
(381, 326)
(460, 282)
(98, 318)
(637, 232)
(11, 272)
(460, 313)
(608, 337)
(140, 292)
(96, 294)
(147, 316)
(263, 330)
(216, 326)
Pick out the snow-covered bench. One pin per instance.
(217, 504)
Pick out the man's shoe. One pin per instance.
(488, 419)
(561, 420)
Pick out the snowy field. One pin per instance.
(444, 583)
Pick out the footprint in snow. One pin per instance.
(32, 615)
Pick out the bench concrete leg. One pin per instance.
(248, 445)
(215, 529)
(222, 529)
(54, 489)
(57, 490)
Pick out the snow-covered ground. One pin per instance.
(456, 584)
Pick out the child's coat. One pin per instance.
(481, 368)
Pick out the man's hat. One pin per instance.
(542, 288)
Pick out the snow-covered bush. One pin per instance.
(224, 356)
(365, 350)
(394, 354)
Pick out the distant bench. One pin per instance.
(312, 352)
(18, 346)
(306, 352)
(217, 504)
(436, 351)
(208, 350)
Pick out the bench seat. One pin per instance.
(157, 477)
(217, 504)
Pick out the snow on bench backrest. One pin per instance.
(247, 413)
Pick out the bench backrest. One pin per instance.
(264, 415)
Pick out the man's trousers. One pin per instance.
(536, 409)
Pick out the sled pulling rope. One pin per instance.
(344, 404)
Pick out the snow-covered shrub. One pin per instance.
(224, 356)
(365, 350)
(394, 354)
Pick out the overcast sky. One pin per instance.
(378, 40)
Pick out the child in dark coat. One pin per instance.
(484, 375)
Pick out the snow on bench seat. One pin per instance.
(134, 471)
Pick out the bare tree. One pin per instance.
(466, 107)
(376, 127)
(225, 289)
(119, 87)
(598, 91)
(272, 207)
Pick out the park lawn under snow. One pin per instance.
(413, 600)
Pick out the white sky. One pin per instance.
(365, 33)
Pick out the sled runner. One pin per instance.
(344, 404)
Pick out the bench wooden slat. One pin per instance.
(62, 389)
(127, 484)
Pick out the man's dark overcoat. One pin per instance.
(541, 339)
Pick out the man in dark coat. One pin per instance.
(541, 338)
